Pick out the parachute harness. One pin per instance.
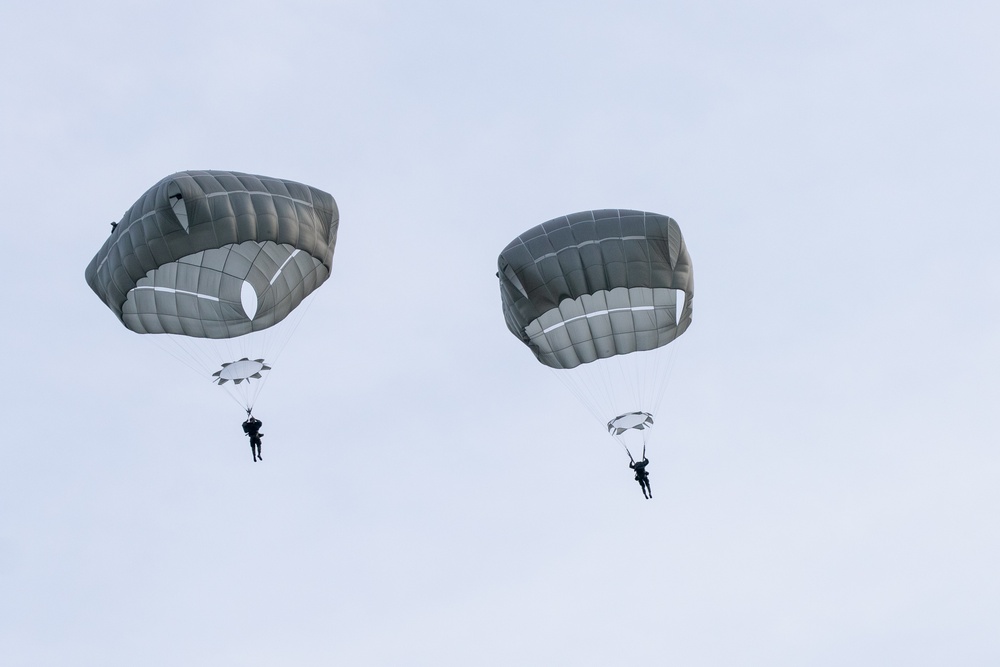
(630, 453)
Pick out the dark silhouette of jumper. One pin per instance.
(642, 476)
(252, 428)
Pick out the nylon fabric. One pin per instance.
(183, 255)
(596, 284)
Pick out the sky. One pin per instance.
(825, 491)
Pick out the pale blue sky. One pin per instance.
(827, 492)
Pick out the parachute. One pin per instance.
(598, 296)
(212, 261)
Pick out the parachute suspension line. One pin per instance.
(205, 356)
(584, 397)
(237, 401)
(624, 382)
(279, 340)
(197, 359)
(593, 385)
(171, 346)
(621, 441)
(666, 371)
(607, 387)
(266, 343)
(650, 373)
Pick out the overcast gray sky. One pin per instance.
(826, 492)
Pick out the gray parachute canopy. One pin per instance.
(216, 254)
(596, 284)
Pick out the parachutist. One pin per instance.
(219, 255)
(252, 428)
(623, 285)
(642, 476)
